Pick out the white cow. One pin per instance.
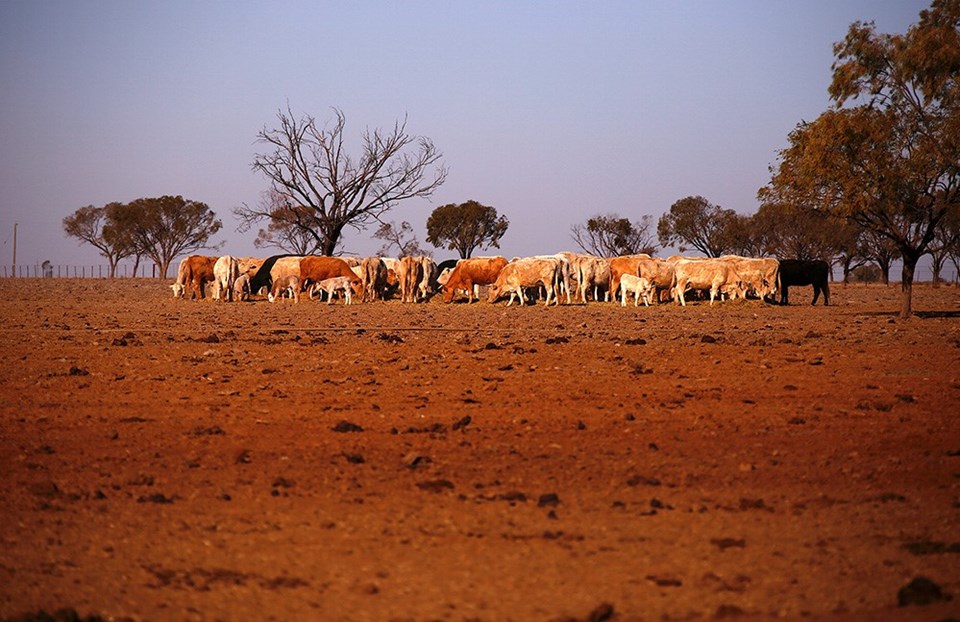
(641, 288)
(225, 273)
(714, 274)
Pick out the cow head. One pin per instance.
(177, 290)
(358, 288)
(495, 292)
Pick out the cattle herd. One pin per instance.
(567, 277)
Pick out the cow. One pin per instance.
(625, 264)
(410, 274)
(660, 273)
(592, 273)
(714, 274)
(196, 270)
(241, 287)
(801, 272)
(428, 282)
(470, 272)
(374, 278)
(225, 273)
(262, 277)
(316, 268)
(566, 271)
(289, 282)
(641, 288)
(759, 275)
(528, 272)
(333, 285)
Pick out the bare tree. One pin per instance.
(309, 168)
(612, 235)
(400, 237)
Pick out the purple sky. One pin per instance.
(549, 111)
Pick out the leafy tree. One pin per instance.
(892, 163)
(283, 230)
(696, 222)
(96, 226)
(166, 227)
(466, 227)
(308, 167)
(612, 235)
(794, 233)
(746, 237)
(400, 236)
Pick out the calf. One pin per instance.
(241, 287)
(641, 288)
(290, 283)
(315, 268)
(333, 285)
(625, 264)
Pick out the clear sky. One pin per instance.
(550, 111)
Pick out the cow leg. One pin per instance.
(783, 295)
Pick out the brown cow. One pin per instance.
(410, 273)
(196, 270)
(316, 268)
(470, 272)
(625, 264)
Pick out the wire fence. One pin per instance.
(95, 271)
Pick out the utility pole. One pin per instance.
(14, 249)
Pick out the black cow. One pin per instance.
(262, 277)
(801, 272)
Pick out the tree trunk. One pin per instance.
(936, 266)
(112, 262)
(884, 271)
(136, 264)
(906, 284)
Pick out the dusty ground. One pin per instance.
(169, 460)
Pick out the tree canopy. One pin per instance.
(466, 227)
(891, 163)
(612, 235)
(321, 189)
(165, 227)
(694, 222)
(97, 226)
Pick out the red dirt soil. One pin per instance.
(167, 460)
